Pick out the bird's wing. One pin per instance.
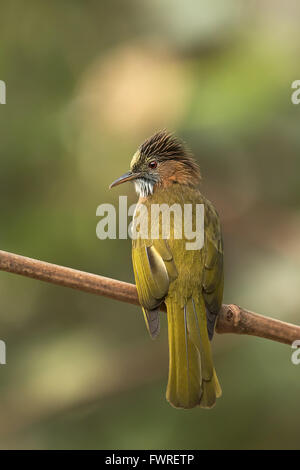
(213, 278)
(154, 269)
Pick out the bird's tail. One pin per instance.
(192, 377)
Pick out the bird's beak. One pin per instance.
(129, 176)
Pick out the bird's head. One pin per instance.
(160, 161)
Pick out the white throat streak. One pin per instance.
(144, 187)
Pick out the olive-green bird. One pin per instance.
(188, 281)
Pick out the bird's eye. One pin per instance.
(153, 165)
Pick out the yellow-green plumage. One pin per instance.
(190, 282)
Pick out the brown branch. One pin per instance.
(232, 319)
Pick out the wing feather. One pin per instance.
(154, 269)
(213, 277)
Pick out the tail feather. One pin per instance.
(192, 377)
(152, 321)
(184, 387)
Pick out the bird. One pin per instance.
(189, 282)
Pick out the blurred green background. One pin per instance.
(87, 82)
